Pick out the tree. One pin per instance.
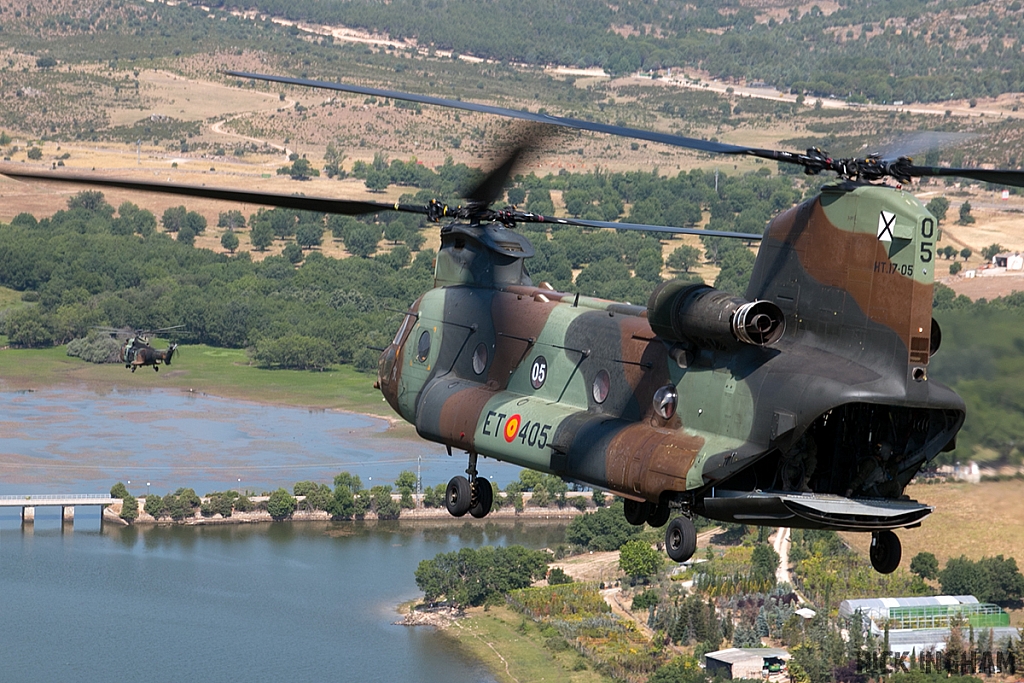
(683, 258)
(309, 235)
(383, 504)
(196, 222)
(682, 669)
(186, 235)
(154, 505)
(129, 508)
(989, 252)
(955, 267)
(281, 504)
(35, 154)
(293, 253)
(93, 201)
(472, 577)
(119, 490)
(925, 565)
(229, 241)
(232, 220)
(174, 218)
(262, 236)
(29, 327)
(334, 158)
(406, 481)
(938, 208)
(639, 560)
(966, 253)
(557, 577)
(603, 529)
(764, 561)
(180, 505)
(965, 214)
(361, 240)
(300, 169)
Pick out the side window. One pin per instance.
(423, 347)
(602, 384)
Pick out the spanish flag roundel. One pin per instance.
(512, 427)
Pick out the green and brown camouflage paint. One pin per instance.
(488, 363)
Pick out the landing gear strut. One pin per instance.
(886, 552)
(473, 494)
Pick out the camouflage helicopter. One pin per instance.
(804, 403)
(136, 351)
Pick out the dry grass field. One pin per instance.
(975, 520)
(230, 115)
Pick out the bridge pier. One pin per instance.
(28, 514)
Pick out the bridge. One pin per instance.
(66, 502)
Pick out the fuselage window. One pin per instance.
(665, 401)
(423, 348)
(602, 383)
(480, 358)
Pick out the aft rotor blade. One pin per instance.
(621, 131)
(985, 175)
(581, 223)
(288, 201)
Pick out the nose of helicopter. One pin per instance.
(387, 375)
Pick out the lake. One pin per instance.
(85, 440)
(311, 600)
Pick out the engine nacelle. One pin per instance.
(707, 317)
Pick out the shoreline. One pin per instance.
(111, 514)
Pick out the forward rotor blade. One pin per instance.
(621, 131)
(287, 201)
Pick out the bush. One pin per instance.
(557, 577)
(96, 348)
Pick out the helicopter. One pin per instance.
(805, 403)
(136, 351)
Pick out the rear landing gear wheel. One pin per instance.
(680, 539)
(483, 497)
(886, 551)
(659, 515)
(458, 496)
(637, 513)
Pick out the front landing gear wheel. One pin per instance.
(458, 497)
(483, 497)
(636, 513)
(680, 539)
(886, 551)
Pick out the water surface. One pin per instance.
(82, 441)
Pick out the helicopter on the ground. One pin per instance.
(136, 351)
(805, 403)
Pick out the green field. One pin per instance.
(514, 649)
